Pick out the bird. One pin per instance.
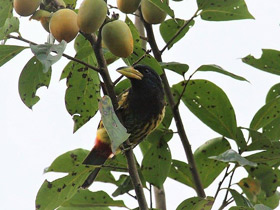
(141, 108)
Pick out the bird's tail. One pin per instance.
(97, 156)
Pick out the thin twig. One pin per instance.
(64, 55)
(178, 32)
(221, 182)
(178, 120)
(151, 197)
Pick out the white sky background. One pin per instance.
(31, 140)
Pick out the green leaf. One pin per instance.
(240, 208)
(270, 157)
(240, 140)
(220, 10)
(169, 28)
(267, 177)
(163, 5)
(196, 203)
(122, 86)
(87, 208)
(179, 68)
(124, 186)
(6, 9)
(209, 169)
(273, 93)
(11, 25)
(30, 80)
(210, 104)
(138, 52)
(216, 68)
(232, 156)
(116, 131)
(251, 187)
(261, 207)
(268, 62)
(156, 163)
(85, 199)
(80, 42)
(267, 114)
(7, 52)
(70, 3)
(271, 202)
(180, 171)
(43, 53)
(239, 199)
(53, 194)
(83, 91)
(272, 130)
(68, 160)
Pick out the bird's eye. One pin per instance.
(147, 71)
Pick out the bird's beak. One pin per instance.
(130, 72)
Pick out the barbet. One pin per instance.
(141, 109)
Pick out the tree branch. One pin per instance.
(64, 55)
(109, 86)
(181, 131)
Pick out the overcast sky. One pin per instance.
(31, 140)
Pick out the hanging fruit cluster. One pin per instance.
(65, 23)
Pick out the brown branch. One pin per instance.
(109, 86)
(64, 55)
(176, 114)
(221, 182)
(132, 169)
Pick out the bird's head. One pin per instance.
(141, 76)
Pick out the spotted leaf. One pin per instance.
(196, 203)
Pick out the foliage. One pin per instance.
(203, 98)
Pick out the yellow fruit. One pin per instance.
(91, 15)
(117, 38)
(63, 25)
(128, 6)
(151, 13)
(26, 7)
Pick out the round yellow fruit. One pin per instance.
(151, 13)
(128, 6)
(63, 25)
(26, 7)
(91, 15)
(117, 38)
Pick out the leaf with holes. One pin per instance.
(138, 52)
(273, 93)
(156, 163)
(169, 28)
(179, 68)
(163, 5)
(116, 131)
(180, 172)
(11, 25)
(232, 156)
(196, 203)
(221, 10)
(210, 104)
(83, 91)
(7, 52)
(43, 53)
(218, 69)
(87, 199)
(268, 62)
(209, 169)
(31, 79)
(6, 11)
(267, 114)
